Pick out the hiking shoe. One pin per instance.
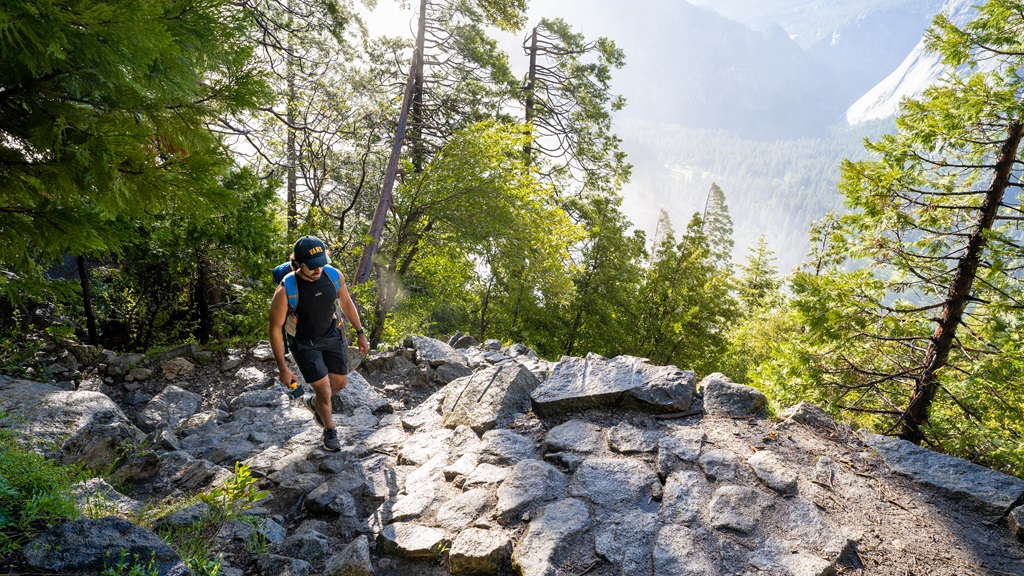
(307, 401)
(330, 440)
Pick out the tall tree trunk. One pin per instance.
(90, 315)
(419, 150)
(484, 304)
(583, 299)
(927, 384)
(384, 202)
(513, 329)
(292, 155)
(570, 342)
(203, 302)
(531, 86)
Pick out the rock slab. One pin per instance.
(578, 384)
(993, 493)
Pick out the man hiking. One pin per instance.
(319, 344)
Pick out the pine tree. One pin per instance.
(718, 228)
(104, 112)
(568, 108)
(759, 281)
(913, 303)
(763, 319)
(607, 276)
(686, 305)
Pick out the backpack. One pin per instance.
(284, 275)
(281, 271)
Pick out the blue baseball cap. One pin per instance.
(310, 250)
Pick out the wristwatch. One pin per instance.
(360, 331)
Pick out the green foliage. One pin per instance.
(437, 294)
(688, 303)
(105, 119)
(568, 105)
(234, 496)
(718, 227)
(759, 282)
(475, 224)
(909, 305)
(18, 353)
(122, 566)
(191, 277)
(607, 273)
(764, 320)
(227, 502)
(35, 492)
(509, 15)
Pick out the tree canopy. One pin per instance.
(910, 301)
(104, 114)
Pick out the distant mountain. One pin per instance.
(760, 69)
(858, 42)
(865, 49)
(918, 71)
(809, 22)
(753, 95)
(703, 70)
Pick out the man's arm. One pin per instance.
(278, 314)
(348, 307)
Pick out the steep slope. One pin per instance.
(518, 467)
(690, 66)
(868, 47)
(809, 22)
(918, 71)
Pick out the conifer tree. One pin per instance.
(914, 298)
(568, 106)
(762, 320)
(686, 306)
(718, 227)
(607, 275)
(105, 110)
(759, 281)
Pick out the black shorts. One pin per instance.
(322, 356)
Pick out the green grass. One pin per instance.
(35, 493)
(17, 353)
(125, 567)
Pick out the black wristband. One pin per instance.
(360, 331)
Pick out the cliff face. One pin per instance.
(918, 71)
(469, 458)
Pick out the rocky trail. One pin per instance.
(469, 458)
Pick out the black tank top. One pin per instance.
(315, 309)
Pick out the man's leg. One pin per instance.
(324, 389)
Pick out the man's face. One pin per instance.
(310, 273)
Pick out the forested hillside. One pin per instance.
(776, 188)
(455, 195)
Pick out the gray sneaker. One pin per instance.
(307, 401)
(330, 440)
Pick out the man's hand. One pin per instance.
(286, 377)
(364, 345)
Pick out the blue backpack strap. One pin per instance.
(334, 275)
(291, 290)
